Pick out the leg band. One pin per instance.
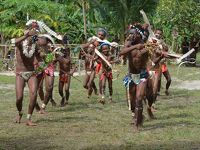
(43, 106)
(29, 116)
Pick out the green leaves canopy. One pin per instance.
(65, 16)
(180, 15)
(61, 18)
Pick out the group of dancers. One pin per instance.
(37, 55)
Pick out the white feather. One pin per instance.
(47, 36)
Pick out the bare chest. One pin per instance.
(139, 54)
(64, 63)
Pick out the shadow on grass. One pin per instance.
(64, 119)
(172, 120)
(175, 116)
(175, 106)
(160, 125)
(72, 107)
(67, 119)
(173, 96)
(33, 142)
(178, 145)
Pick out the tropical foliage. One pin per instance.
(60, 17)
(117, 15)
(180, 15)
(66, 16)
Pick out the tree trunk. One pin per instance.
(84, 19)
(2, 48)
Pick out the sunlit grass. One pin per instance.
(86, 124)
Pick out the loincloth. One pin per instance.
(136, 79)
(88, 72)
(152, 74)
(40, 74)
(98, 68)
(49, 71)
(106, 75)
(63, 77)
(26, 74)
(164, 67)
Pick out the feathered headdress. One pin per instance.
(138, 28)
(43, 27)
(48, 37)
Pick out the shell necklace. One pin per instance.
(27, 53)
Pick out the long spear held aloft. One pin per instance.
(185, 55)
(151, 33)
(179, 58)
(103, 58)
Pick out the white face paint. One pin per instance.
(158, 34)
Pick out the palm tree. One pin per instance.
(119, 13)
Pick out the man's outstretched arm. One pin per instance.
(128, 48)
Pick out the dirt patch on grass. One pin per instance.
(7, 86)
(188, 85)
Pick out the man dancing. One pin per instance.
(65, 74)
(90, 73)
(106, 72)
(46, 59)
(44, 44)
(154, 68)
(25, 57)
(93, 43)
(164, 69)
(136, 80)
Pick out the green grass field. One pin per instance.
(86, 124)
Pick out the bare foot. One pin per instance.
(102, 101)
(18, 118)
(42, 111)
(37, 110)
(167, 92)
(95, 92)
(149, 112)
(110, 100)
(53, 103)
(62, 103)
(30, 123)
(153, 109)
(37, 107)
(66, 103)
(136, 128)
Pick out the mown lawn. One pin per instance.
(86, 124)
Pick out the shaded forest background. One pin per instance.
(177, 18)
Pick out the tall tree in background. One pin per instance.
(118, 14)
(66, 16)
(182, 16)
(62, 16)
